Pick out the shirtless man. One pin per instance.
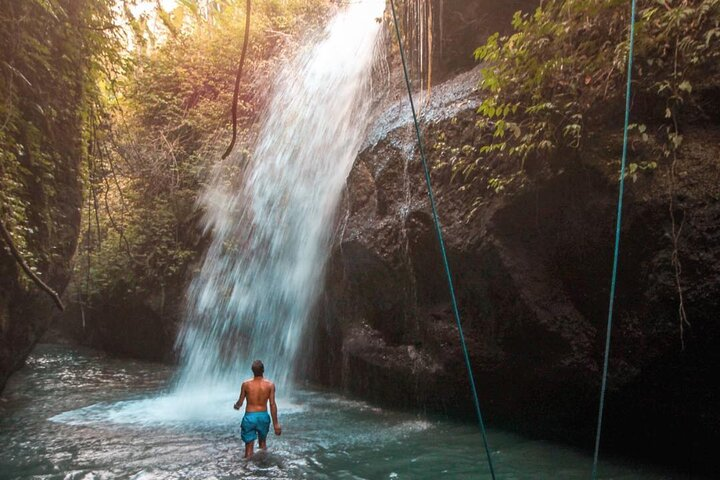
(256, 422)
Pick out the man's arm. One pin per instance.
(273, 411)
(240, 401)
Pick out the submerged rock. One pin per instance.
(532, 270)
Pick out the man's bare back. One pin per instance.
(257, 391)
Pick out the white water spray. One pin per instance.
(264, 268)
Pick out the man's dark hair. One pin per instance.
(258, 368)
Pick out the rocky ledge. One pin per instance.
(532, 272)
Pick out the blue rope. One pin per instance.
(438, 230)
(618, 224)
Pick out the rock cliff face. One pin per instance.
(142, 326)
(459, 26)
(532, 271)
(25, 312)
(41, 149)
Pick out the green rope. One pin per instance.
(438, 230)
(618, 224)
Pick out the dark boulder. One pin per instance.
(532, 272)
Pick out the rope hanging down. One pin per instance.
(236, 94)
(438, 231)
(613, 281)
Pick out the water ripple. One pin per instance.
(123, 425)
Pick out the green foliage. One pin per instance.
(162, 123)
(560, 77)
(50, 53)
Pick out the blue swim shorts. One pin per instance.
(254, 425)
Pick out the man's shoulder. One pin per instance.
(269, 383)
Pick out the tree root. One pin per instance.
(26, 268)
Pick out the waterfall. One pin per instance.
(270, 230)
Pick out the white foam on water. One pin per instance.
(167, 410)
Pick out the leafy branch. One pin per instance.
(5, 234)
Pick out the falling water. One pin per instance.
(263, 270)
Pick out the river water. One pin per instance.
(78, 414)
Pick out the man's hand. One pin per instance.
(277, 428)
(236, 406)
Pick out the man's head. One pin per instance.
(258, 368)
